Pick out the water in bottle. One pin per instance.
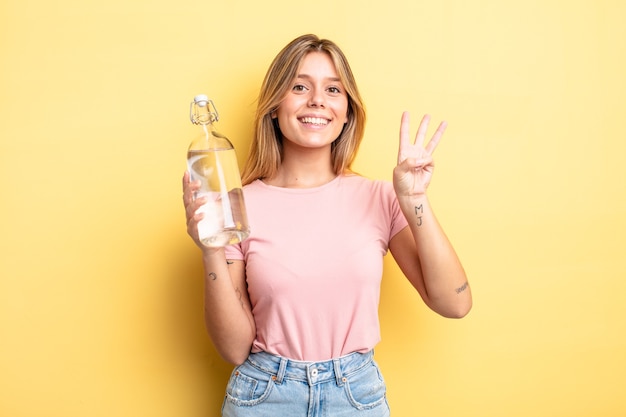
(211, 158)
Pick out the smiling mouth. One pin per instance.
(318, 121)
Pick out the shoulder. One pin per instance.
(254, 186)
(367, 184)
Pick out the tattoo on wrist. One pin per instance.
(419, 210)
(213, 276)
(461, 288)
(229, 262)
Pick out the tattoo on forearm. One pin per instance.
(229, 262)
(213, 275)
(461, 288)
(419, 210)
(239, 296)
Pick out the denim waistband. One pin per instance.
(310, 372)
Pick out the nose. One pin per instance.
(316, 98)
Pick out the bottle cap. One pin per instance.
(201, 99)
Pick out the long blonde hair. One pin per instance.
(265, 154)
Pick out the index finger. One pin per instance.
(405, 125)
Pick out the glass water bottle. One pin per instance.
(212, 160)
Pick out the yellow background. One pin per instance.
(101, 289)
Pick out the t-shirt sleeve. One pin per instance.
(234, 252)
(398, 221)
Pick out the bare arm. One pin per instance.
(428, 260)
(227, 309)
(422, 250)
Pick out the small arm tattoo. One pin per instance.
(461, 288)
(419, 210)
(213, 275)
(239, 297)
(229, 262)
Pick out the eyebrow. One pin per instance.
(307, 76)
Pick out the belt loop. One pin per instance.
(338, 375)
(282, 367)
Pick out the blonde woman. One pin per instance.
(295, 306)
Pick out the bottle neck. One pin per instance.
(203, 112)
(202, 116)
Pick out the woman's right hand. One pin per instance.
(191, 207)
(227, 311)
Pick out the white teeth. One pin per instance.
(314, 120)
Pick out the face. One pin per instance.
(315, 109)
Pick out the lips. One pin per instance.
(319, 121)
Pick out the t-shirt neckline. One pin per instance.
(300, 190)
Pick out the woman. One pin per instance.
(295, 306)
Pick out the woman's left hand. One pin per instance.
(415, 161)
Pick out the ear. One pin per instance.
(273, 114)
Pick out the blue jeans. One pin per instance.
(272, 386)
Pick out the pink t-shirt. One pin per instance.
(314, 261)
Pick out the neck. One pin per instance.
(303, 171)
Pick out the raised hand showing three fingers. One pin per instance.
(413, 173)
